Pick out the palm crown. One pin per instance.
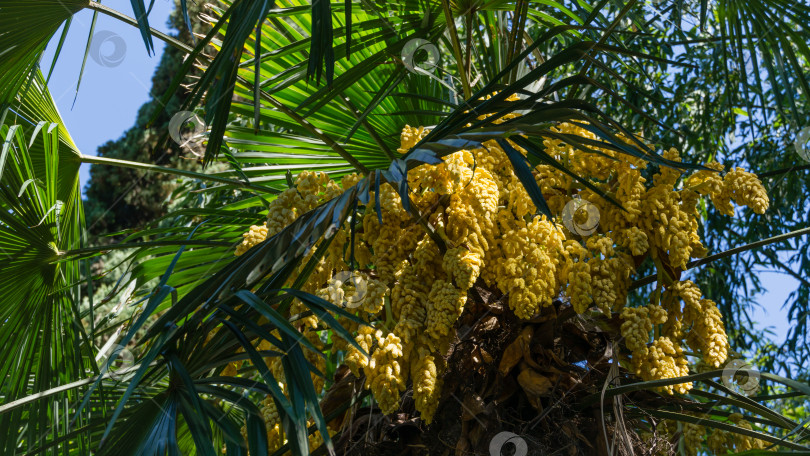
(294, 86)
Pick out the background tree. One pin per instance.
(121, 198)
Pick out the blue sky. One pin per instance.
(770, 312)
(110, 95)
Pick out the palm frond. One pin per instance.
(27, 28)
(44, 341)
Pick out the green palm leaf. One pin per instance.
(43, 339)
(27, 27)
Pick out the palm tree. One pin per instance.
(297, 86)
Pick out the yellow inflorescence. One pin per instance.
(725, 442)
(316, 439)
(636, 328)
(255, 236)
(663, 359)
(692, 438)
(426, 383)
(272, 423)
(744, 442)
(354, 357)
(708, 335)
(409, 304)
(374, 298)
(473, 200)
(720, 442)
(635, 240)
(462, 266)
(445, 304)
(579, 286)
(384, 373)
(745, 189)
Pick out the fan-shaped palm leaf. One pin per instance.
(42, 338)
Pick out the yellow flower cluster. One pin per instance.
(744, 442)
(707, 182)
(579, 286)
(384, 373)
(692, 438)
(283, 211)
(311, 188)
(638, 323)
(663, 359)
(417, 290)
(718, 441)
(526, 266)
(707, 335)
(409, 304)
(745, 189)
(256, 235)
(316, 439)
(635, 240)
(409, 137)
(272, 423)
(354, 357)
(445, 304)
(462, 266)
(275, 435)
(374, 298)
(426, 383)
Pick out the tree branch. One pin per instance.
(771, 240)
(777, 172)
(95, 160)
